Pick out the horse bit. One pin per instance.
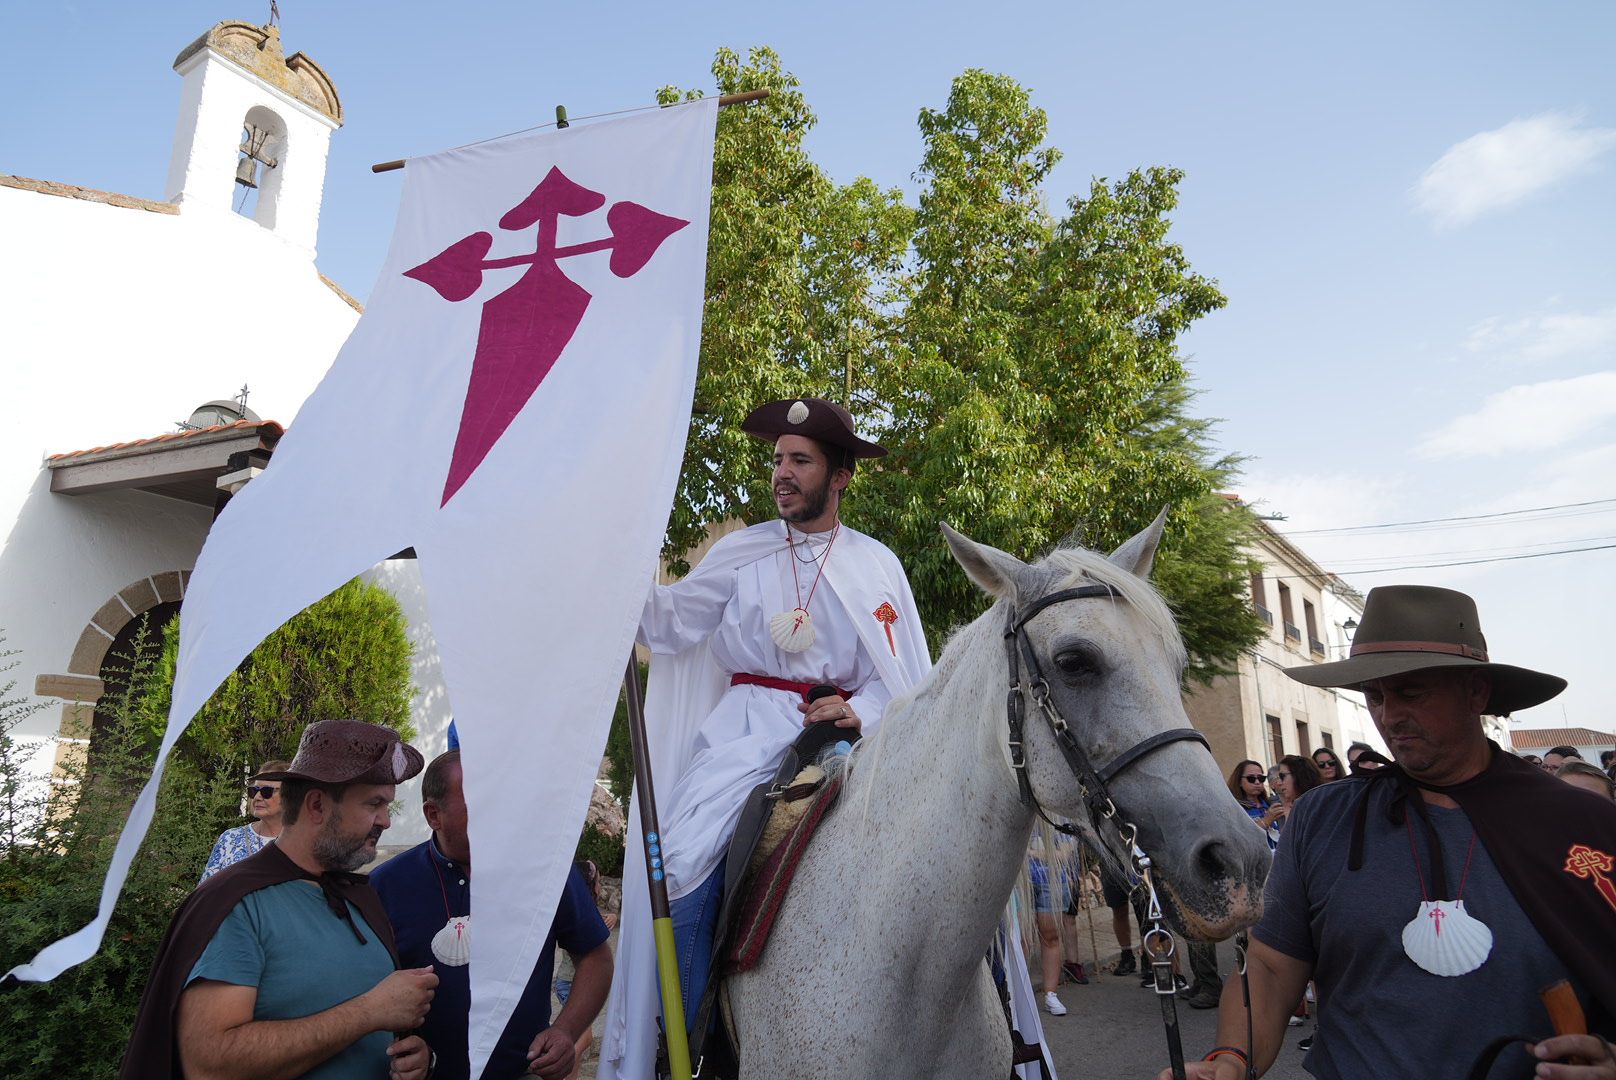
(1092, 784)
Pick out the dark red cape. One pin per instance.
(153, 1052)
(1542, 834)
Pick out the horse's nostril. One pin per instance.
(1213, 861)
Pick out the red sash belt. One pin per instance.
(742, 678)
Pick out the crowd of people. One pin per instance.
(286, 962)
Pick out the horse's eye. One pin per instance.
(1078, 663)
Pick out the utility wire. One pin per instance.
(1461, 518)
(1504, 549)
(1433, 566)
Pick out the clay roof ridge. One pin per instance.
(268, 427)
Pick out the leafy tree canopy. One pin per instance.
(1024, 369)
(344, 656)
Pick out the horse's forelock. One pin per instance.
(1073, 566)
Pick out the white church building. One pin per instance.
(127, 324)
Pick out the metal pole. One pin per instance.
(673, 1007)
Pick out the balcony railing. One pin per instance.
(1293, 631)
(1264, 614)
(1316, 645)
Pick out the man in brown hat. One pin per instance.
(798, 604)
(283, 964)
(1434, 901)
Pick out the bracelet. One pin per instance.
(1232, 1051)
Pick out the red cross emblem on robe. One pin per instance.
(1586, 862)
(886, 616)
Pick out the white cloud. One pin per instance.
(1539, 338)
(1499, 168)
(1532, 416)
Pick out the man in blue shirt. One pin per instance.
(427, 893)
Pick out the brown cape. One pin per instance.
(1546, 838)
(153, 1052)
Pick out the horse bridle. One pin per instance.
(1094, 784)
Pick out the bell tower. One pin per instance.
(254, 125)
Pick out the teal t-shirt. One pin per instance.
(285, 941)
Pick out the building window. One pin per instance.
(1314, 645)
(1329, 740)
(1259, 598)
(1304, 745)
(1276, 740)
(1286, 613)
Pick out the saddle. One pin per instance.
(770, 837)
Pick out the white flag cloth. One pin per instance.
(513, 405)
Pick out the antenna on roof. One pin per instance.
(274, 13)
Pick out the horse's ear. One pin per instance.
(1138, 554)
(994, 571)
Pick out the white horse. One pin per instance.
(876, 964)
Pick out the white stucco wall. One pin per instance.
(114, 324)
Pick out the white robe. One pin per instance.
(714, 742)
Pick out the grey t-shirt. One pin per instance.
(1379, 1014)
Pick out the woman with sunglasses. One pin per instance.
(236, 844)
(1329, 765)
(1246, 785)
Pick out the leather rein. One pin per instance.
(1093, 783)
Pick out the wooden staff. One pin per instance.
(723, 102)
(673, 1007)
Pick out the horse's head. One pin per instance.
(1112, 660)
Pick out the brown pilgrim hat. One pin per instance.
(814, 417)
(350, 752)
(1418, 627)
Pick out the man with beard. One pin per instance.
(771, 612)
(283, 964)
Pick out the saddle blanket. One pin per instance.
(772, 879)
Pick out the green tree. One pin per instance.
(1040, 392)
(1024, 369)
(52, 861)
(795, 266)
(346, 655)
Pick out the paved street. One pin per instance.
(1113, 1029)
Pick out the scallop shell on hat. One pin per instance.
(452, 944)
(798, 412)
(1444, 939)
(792, 630)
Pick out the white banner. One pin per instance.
(513, 405)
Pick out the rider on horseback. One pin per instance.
(779, 608)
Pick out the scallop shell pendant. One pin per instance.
(1445, 940)
(792, 630)
(452, 944)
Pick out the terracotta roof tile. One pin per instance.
(73, 191)
(269, 427)
(1560, 736)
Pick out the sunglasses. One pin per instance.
(266, 792)
(1255, 778)
(1328, 763)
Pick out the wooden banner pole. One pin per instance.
(723, 102)
(673, 1010)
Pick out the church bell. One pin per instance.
(247, 172)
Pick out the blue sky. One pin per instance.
(1410, 211)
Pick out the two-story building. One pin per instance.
(1258, 712)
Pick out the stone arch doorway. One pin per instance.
(104, 637)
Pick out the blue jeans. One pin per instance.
(695, 921)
